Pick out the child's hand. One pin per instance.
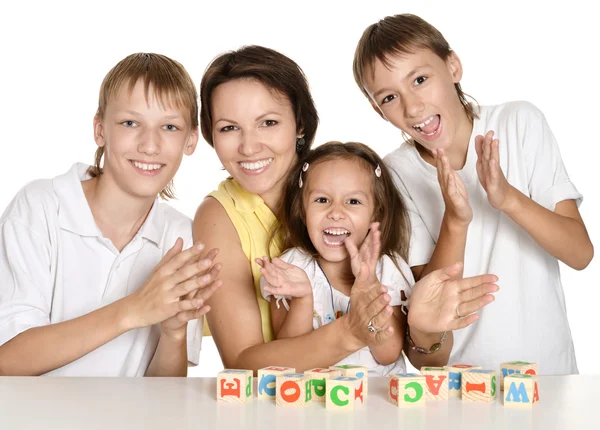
(284, 279)
(455, 194)
(367, 257)
(440, 303)
(489, 172)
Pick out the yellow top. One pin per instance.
(253, 221)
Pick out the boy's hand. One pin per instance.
(456, 198)
(489, 172)
(368, 256)
(284, 279)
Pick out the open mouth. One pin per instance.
(428, 127)
(335, 236)
(147, 168)
(254, 166)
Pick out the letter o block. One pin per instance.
(341, 393)
(437, 382)
(521, 391)
(293, 389)
(267, 384)
(479, 385)
(407, 390)
(517, 367)
(234, 386)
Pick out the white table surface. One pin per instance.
(566, 402)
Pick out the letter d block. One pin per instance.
(356, 372)
(521, 391)
(317, 378)
(479, 385)
(437, 382)
(293, 389)
(267, 386)
(407, 390)
(517, 367)
(341, 393)
(234, 386)
(455, 378)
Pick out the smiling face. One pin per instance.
(143, 139)
(416, 93)
(254, 135)
(338, 204)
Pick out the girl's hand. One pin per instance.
(441, 303)
(489, 172)
(456, 198)
(284, 279)
(368, 256)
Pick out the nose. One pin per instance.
(249, 144)
(413, 105)
(336, 212)
(149, 142)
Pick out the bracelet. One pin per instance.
(434, 348)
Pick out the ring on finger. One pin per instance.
(372, 327)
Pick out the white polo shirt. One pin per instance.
(55, 266)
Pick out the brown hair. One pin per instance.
(169, 81)
(389, 208)
(271, 68)
(401, 35)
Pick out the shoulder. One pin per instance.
(395, 271)
(514, 111)
(297, 257)
(35, 203)
(176, 224)
(405, 152)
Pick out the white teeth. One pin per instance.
(336, 231)
(145, 166)
(423, 124)
(333, 243)
(256, 165)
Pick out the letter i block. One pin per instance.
(293, 389)
(437, 382)
(267, 386)
(357, 372)
(234, 386)
(407, 389)
(341, 393)
(455, 377)
(517, 367)
(521, 390)
(479, 385)
(317, 379)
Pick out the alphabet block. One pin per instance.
(317, 378)
(342, 393)
(455, 378)
(437, 382)
(521, 390)
(357, 372)
(479, 385)
(517, 367)
(234, 385)
(407, 390)
(267, 384)
(293, 389)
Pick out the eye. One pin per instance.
(228, 128)
(354, 202)
(128, 123)
(388, 99)
(269, 123)
(420, 80)
(321, 200)
(171, 127)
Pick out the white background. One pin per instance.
(54, 56)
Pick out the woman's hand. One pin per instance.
(284, 279)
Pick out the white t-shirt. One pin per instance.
(528, 319)
(55, 266)
(330, 303)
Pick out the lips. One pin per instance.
(335, 236)
(429, 126)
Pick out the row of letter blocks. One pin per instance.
(339, 387)
(473, 384)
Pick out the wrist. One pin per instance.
(125, 315)
(424, 343)
(512, 201)
(178, 335)
(454, 225)
(350, 342)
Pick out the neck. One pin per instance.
(273, 197)
(339, 274)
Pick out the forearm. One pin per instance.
(450, 247)
(299, 318)
(563, 237)
(42, 349)
(170, 358)
(389, 352)
(426, 340)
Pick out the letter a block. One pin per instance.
(317, 378)
(267, 386)
(437, 382)
(234, 386)
(479, 385)
(341, 393)
(521, 391)
(407, 390)
(357, 372)
(455, 378)
(293, 389)
(517, 367)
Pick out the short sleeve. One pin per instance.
(26, 283)
(194, 340)
(548, 180)
(399, 282)
(421, 243)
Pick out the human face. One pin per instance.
(254, 134)
(144, 141)
(416, 93)
(338, 204)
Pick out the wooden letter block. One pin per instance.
(407, 390)
(479, 385)
(517, 367)
(455, 377)
(267, 386)
(234, 386)
(357, 372)
(317, 379)
(521, 390)
(293, 389)
(437, 382)
(342, 393)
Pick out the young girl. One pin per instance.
(343, 198)
(506, 205)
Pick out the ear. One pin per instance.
(99, 131)
(192, 142)
(454, 67)
(378, 110)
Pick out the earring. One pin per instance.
(300, 142)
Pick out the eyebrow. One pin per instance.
(255, 119)
(408, 76)
(353, 192)
(168, 117)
